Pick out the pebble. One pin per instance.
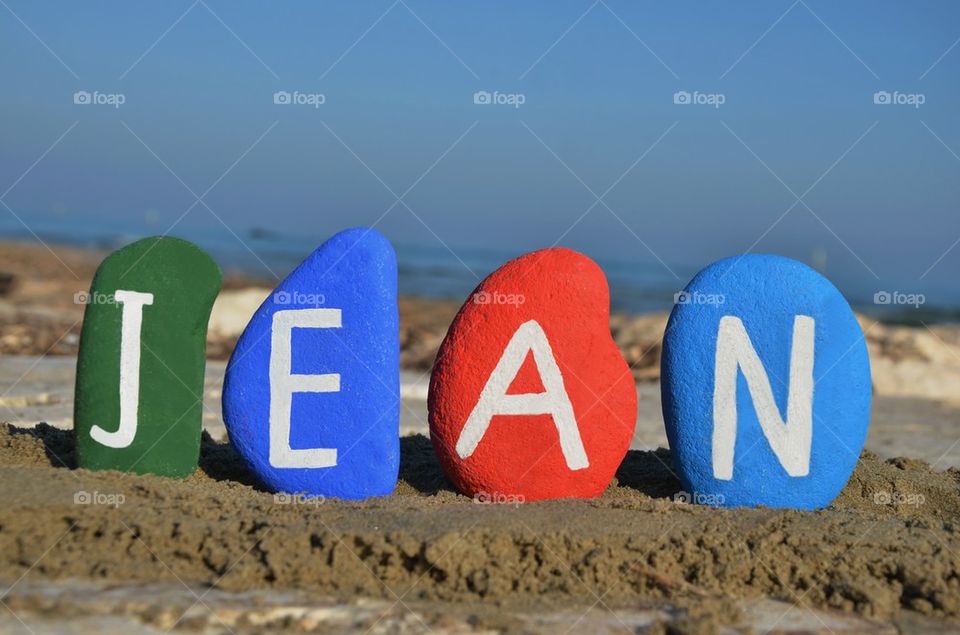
(140, 365)
(312, 391)
(530, 398)
(765, 383)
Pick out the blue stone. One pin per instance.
(766, 385)
(311, 398)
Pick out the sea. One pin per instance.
(433, 271)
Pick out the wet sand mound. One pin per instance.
(891, 542)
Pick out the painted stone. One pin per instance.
(139, 390)
(766, 385)
(311, 398)
(530, 398)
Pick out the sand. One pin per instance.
(887, 549)
(884, 558)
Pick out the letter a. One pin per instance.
(554, 401)
(131, 320)
(790, 440)
(284, 383)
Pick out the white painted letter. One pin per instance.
(284, 383)
(131, 319)
(790, 441)
(494, 399)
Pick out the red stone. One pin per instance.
(556, 297)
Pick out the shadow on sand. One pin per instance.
(648, 472)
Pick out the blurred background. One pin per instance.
(654, 137)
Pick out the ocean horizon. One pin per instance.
(435, 272)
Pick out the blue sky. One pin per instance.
(680, 185)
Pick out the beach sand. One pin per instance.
(635, 546)
(85, 551)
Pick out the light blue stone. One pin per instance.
(777, 301)
(336, 318)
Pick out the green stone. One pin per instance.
(139, 393)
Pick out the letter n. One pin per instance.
(790, 440)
